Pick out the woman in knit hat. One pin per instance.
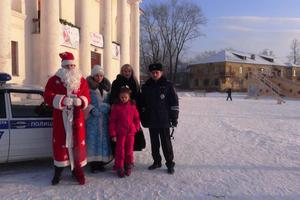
(97, 137)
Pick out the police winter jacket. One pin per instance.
(159, 103)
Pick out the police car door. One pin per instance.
(4, 130)
(31, 129)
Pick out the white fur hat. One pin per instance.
(97, 69)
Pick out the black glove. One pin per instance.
(174, 122)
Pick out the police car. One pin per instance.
(25, 122)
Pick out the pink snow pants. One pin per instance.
(124, 151)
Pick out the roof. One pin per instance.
(291, 65)
(241, 57)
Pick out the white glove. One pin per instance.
(77, 101)
(68, 101)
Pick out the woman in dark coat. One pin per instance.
(126, 77)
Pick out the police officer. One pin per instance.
(159, 112)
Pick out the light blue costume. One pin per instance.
(97, 136)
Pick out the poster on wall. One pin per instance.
(96, 40)
(116, 51)
(69, 36)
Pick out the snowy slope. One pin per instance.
(244, 149)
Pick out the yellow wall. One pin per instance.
(94, 16)
(67, 10)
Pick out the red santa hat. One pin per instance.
(67, 58)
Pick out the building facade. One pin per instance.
(230, 69)
(34, 32)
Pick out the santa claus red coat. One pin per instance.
(55, 92)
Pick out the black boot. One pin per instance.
(100, 166)
(171, 170)
(170, 165)
(93, 167)
(57, 175)
(155, 165)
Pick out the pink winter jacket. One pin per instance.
(124, 119)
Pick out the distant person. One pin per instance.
(99, 151)
(124, 122)
(159, 112)
(68, 93)
(228, 91)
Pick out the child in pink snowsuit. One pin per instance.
(124, 122)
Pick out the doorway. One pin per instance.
(95, 59)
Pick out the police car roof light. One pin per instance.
(4, 77)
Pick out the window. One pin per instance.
(242, 57)
(196, 82)
(28, 105)
(2, 106)
(37, 17)
(206, 82)
(270, 59)
(241, 69)
(205, 71)
(216, 82)
(14, 59)
(95, 59)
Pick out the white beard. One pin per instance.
(70, 77)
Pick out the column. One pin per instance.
(107, 60)
(50, 32)
(135, 37)
(282, 72)
(84, 51)
(5, 41)
(124, 17)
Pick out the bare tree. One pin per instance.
(167, 27)
(203, 55)
(294, 56)
(151, 45)
(267, 52)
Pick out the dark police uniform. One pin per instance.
(159, 112)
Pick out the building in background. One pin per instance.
(230, 69)
(34, 32)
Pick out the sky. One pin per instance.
(248, 26)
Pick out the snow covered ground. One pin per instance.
(245, 149)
